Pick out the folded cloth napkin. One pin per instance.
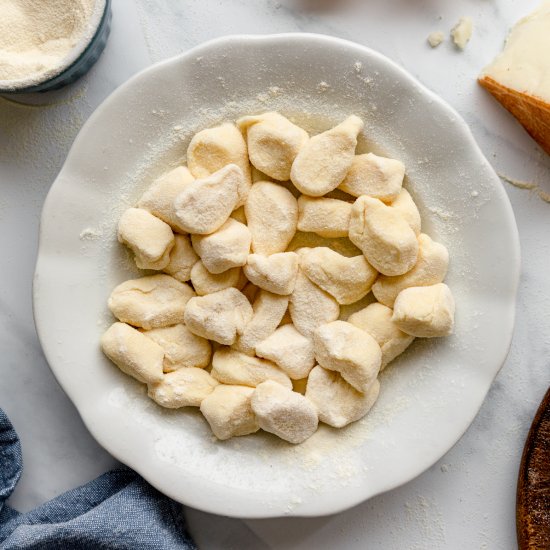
(116, 511)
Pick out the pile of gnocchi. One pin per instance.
(244, 324)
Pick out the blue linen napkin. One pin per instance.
(116, 511)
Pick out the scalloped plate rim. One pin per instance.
(95, 427)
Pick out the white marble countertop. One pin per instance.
(467, 499)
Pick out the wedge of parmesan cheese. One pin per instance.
(519, 78)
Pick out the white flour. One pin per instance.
(38, 38)
(530, 186)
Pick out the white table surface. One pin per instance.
(467, 499)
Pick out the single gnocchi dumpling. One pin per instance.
(205, 282)
(159, 198)
(133, 353)
(276, 273)
(347, 279)
(150, 302)
(408, 209)
(283, 412)
(149, 238)
(425, 311)
(337, 402)
(430, 269)
(268, 310)
(220, 316)
(213, 148)
(230, 366)
(224, 249)
(273, 143)
(272, 215)
(378, 177)
(182, 259)
(310, 306)
(182, 348)
(182, 388)
(344, 348)
(205, 204)
(328, 218)
(289, 350)
(228, 411)
(323, 162)
(376, 319)
(383, 235)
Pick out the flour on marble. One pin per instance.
(425, 513)
(89, 234)
(528, 185)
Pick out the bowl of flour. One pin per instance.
(47, 44)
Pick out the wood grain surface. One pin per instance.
(533, 495)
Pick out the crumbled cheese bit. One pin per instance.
(462, 32)
(435, 38)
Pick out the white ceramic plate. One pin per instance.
(429, 396)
